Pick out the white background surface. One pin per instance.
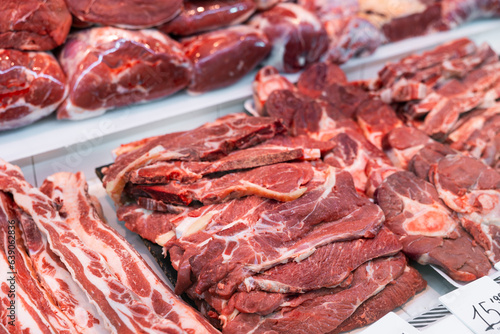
(51, 146)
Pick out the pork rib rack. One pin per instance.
(64, 237)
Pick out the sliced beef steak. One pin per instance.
(316, 78)
(421, 162)
(401, 144)
(428, 229)
(376, 119)
(148, 224)
(282, 182)
(395, 294)
(327, 267)
(273, 233)
(325, 313)
(472, 189)
(478, 135)
(190, 171)
(267, 80)
(208, 142)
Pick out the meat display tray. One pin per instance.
(422, 311)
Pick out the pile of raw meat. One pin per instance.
(63, 270)
(423, 139)
(264, 235)
(281, 222)
(197, 45)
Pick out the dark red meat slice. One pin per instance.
(224, 56)
(202, 15)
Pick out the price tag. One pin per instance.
(391, 323)
(477, 305)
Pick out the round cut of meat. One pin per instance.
(32, 85)
(110, 67)
(132, 14)
(35, 25)
(297, 36)
(204, 15)
(224, 56)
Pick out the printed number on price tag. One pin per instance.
(477, 305)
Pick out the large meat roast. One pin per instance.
(37, 25)
(224, 56)
(110, 67)
(132, 14)
(32, 85)
(204, 15)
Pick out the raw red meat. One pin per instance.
(25, 275)
(428, 229)
(32, 86)
(37, 25)
(147, 223)
(224, 56)
(208, 142)
(421, 163)
(282, 182)
(202, 15)
(267, 80)
(314, 80)
(472, 189)
(376, 119)
(402, 143)
(127, 265)
(325, 313)
(134, 14)
(478, 134)
(110, 67)
(316, 218)
(57, 280)
(350, 37)
(395, 294)
(456, 12)
(427, 20)
(297, 36)
(189, 171)
(327, 267)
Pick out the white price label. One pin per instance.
(477, 305)
(391, 323)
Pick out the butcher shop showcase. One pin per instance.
(249, 166)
